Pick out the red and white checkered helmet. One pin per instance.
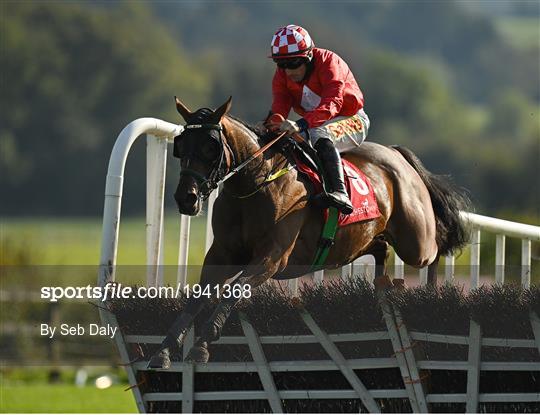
(291, 41)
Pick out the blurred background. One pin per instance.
(457, 82)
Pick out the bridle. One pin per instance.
(224, 166)
(220, 166)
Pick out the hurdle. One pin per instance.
(159, 133)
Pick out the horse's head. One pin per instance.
(203, 159)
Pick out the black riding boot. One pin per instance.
(336, 195)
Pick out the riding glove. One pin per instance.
(289, 126)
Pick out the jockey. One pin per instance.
(321, 88)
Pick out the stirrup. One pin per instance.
(343, 203)
(324, 200)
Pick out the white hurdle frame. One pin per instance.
(159, 132)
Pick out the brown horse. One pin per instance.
(274, 232)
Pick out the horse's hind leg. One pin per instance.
(432, 272)
(379, 250)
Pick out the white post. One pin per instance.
(475, 259)
(499, 258)
(364, 267)
(156, 156)
(209, 231)
(449, 266)
(423, 274)
(183, 250)
(318, 276)
(399, 267)
(525, 263)
(293, 287)
(346, 271)
(473, 367)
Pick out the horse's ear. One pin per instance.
(182, 110)
(222, 111)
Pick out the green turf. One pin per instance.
(77, 242)
(57, 241)
(65, 399)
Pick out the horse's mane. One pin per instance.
(201, 115)
(262, 133)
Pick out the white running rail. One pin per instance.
(502, 229)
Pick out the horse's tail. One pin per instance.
(447, 200)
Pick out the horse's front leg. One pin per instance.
(211, 275)
(212, 328)
(257, 272)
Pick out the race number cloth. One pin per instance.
(358, 187)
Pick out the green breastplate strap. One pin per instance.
(327, 239)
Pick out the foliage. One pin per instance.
(433, 309)
(502, 310)
(353, 300)
(438, 77)
(75, 76)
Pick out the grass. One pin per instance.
(58, 241)
(67, 241)
(74, 244)
(65, 399)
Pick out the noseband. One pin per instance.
(220, 166)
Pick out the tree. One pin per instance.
(73, 77)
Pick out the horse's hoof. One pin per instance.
(161, 360)
(198, 354)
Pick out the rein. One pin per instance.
(252, 157)
(270, 177)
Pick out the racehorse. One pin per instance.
(264, 230)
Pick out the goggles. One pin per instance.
(290, 63)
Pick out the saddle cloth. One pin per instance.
(358, 187)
